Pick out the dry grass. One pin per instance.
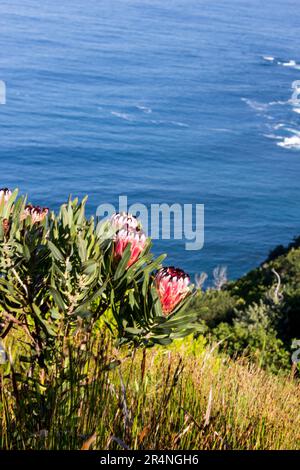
(216, 403)
(188, 397)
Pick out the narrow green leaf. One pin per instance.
(57, 254)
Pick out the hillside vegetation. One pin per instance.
(259, 314)
(185, 397)
(103, 347)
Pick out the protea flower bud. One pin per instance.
(5, 194)
(123, 220)
(36, 213)
(172, 285)
(137, 240)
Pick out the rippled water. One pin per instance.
(165, 101)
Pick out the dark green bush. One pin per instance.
(251, 334)
(259, 314)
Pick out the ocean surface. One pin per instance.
(163, 101)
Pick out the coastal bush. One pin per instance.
(213, 307)
(251, 335)
(96, 348)
(257, 315)
(279, 276)
(60, 273)
(64, 280)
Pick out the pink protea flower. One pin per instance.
(5, 194)
(172, 285)
(137, 240)
(36, 213)
(123, 220)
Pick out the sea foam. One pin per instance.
(144, 109)
(124, 116)
(257, 106)
(290, 142)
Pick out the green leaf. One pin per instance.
(123, 263)
(89, 267)
(134, 331)
(161, 341)
(44, 323)
(57, 298)
(57, 254)
(26, 252)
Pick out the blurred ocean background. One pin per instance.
(163, 101)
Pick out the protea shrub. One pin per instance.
(61, 275)
(66, 282)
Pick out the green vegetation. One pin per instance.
(183, 397)
(257, 316)
(102, 348)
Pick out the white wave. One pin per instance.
(272, 136)
(174, 123)
(294, 102)
(290, 63)
(290, 142)
(278, 103)
(222, 129)
(296, 85)
(296, 110)
(144, 109)
(293, 131)
(124, 116)
(278, 126)
(257, 106)
(179, 124)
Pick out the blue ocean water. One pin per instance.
(163, 101)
